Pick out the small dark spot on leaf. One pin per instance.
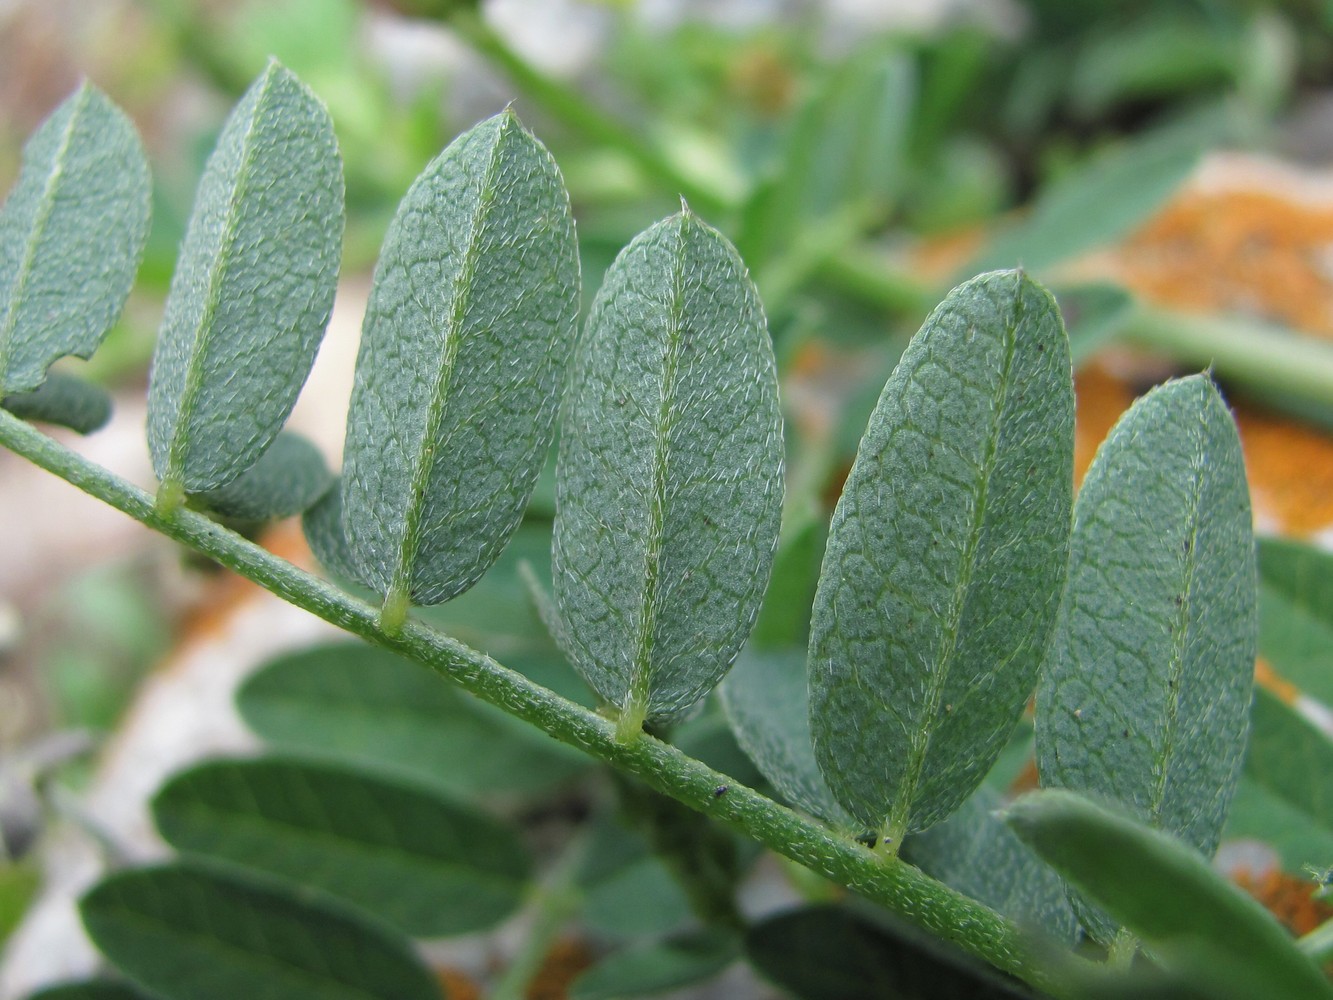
(1124, 733)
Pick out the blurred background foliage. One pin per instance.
(863, 157)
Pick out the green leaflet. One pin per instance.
(974, 852)
(829, 953)
(91, 989)
(1285, 796)
(653, 967)
(1146, 694)
(1296, 614)
(413, 858)
(187, 932)
(463, 354)
(252, 291)
(768, 706)
(349, 703)
(1096, 205)
(63, 400)
(669, 480)
(1188, 916)
(946, 558)
(1093, 313)
(288, 478)
(71, 234)
(322, 524)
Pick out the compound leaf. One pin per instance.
(1146, 695)
(1165, 892)
(466, 338)
(252, 291)
(288, 479)
(426, 865)
(669, 481)
(63, 400)
(946, 557)
(185, 932)
(71, 235)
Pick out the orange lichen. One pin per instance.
(1290, 898)
(1100, 399)
(456, 986)
(561, 966)
(1290, 466)
(1267, 678)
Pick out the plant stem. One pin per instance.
(576, 112)
(1262, 356)
(890, 882)
(1318, 944)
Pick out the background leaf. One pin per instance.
(71, 235)
(669, 483)
(92, 989)
(288, 478)
(322, 524)
(428, 866)
(349, 702)
(1187, 915)
(768, 706)
(1296, 614)
(827, 953)
(945, 559)
(255, 280)
(974, 852)
(463, 353)
(1285, 796)
(188, 933)
(657, 966)
(1146, 695)
(63, 400)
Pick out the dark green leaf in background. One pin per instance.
(974, 852)
(827, 953)
(1285, 796)
(322, 523)
(1093, 313)
(946, 558)
(288, 478)
(253, 288)
(768, 706)
(92, 989)
(463, 352)
(1146, 695)
(1296, 614)
(190, 933)
(71, 234)
(401, 851)
(63, 400)
(1165, 892)
(653, 967)
(351, 703)
(669, 484)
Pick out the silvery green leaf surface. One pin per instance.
(189, 932)
(768, 707)
(463, 352)
(974, 852)
(288, 478)
(322, 524)
(669, 481)
(64, 400)
(1145, 697)
(1188, 917)
(425, 864)
(946, 558)
(71, 234)
(253, 287)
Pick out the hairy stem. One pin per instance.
(892, 883)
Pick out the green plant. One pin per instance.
(957, 571)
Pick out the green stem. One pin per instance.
(1318, 944)
(576, 112)
(897, 886)
(1262, 356)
